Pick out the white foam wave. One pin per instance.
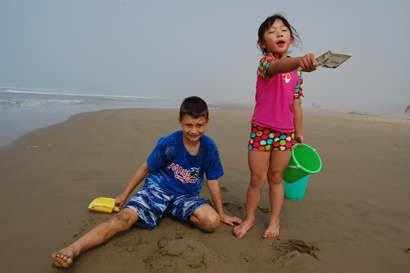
(27, 91)
(37, 102)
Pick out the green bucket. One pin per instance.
(304, 161)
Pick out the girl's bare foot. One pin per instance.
(241, 230)
(272, 231)
(64, 258)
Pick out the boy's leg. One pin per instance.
(98, 235)
(278, 162)
(258, 164)
(205, 218)
(193, 208)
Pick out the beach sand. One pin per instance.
(355, 216)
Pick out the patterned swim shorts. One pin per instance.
(150, 203)
(266, 139)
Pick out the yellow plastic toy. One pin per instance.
(103, 204)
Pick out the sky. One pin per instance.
(178, 48)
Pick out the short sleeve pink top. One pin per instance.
(274, 96)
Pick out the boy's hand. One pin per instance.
(229, 220)
(120, 200)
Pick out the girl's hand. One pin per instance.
(120, 200)
(299, 139)
(229, 220)
(308, 62)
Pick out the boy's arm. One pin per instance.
(307, 62)
(215, 191)
(297, 120)
(136, 179)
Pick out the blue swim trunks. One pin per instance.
(150, 203)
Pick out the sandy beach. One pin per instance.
(355, 215)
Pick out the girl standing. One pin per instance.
(277, 119)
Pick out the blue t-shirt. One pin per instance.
(175, 170)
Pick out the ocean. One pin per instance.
(23, 110)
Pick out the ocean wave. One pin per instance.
(36, 102)
(27, 91)
(25, 97)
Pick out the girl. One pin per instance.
(277, 119)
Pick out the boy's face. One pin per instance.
(193, 128)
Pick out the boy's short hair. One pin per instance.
(194, 107)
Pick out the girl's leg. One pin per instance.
(258, 164)
(205, 218)
(98, 235)
(278, 162)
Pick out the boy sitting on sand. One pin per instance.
(174, 174)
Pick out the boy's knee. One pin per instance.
(121, 221)
(205, 218)
(211, 223)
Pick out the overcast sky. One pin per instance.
(174, 49)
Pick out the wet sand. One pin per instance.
(354, 217)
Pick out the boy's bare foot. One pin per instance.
(64, 258)
(241, 230)
(272, 231)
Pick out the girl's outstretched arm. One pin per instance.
(136, 179)
(297, 120)
(307, 62)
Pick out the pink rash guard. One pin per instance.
(274, 96)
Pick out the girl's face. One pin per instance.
(277, 39)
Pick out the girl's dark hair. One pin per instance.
(269, 22)
(194, 107)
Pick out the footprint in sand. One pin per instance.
(264, 210)
(293, 248)
(230, 205)
(126, 241)
(90, 222)
(241, 206)
(224, 189)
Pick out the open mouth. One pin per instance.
(281, 43)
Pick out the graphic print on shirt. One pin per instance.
(184, 175)
(286, 77)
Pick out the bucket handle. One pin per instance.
(294, 167)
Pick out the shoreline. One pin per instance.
(64, 113)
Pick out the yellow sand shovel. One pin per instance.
(103, 204)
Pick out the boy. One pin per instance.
(174, 174)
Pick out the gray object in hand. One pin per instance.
(331, 60)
